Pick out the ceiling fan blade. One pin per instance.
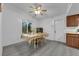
(44, 10)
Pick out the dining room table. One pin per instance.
(35, 38)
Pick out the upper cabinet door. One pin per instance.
(76, 22)
(72, 21)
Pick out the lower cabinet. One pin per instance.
(72, 40)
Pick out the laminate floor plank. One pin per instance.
(49, 48)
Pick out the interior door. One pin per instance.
(59, 30)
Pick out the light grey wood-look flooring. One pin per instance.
(49, 48)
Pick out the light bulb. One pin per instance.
(37, 12)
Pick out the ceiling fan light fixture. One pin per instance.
(38, 10)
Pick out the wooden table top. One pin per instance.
(31, 37)
(35, 34)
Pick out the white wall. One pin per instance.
(48, 25)
(12, 25)
(0, 33)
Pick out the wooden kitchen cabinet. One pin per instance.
(69, 40)
(76, 42)
(72, 21)
(72, 40)
(0, 7)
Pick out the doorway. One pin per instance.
(59, 30)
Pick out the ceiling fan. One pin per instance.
(38, 9)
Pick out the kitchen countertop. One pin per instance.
(73, 32)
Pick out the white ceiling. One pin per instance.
(53, 9)
(74, 9)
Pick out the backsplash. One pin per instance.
(72, 29)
